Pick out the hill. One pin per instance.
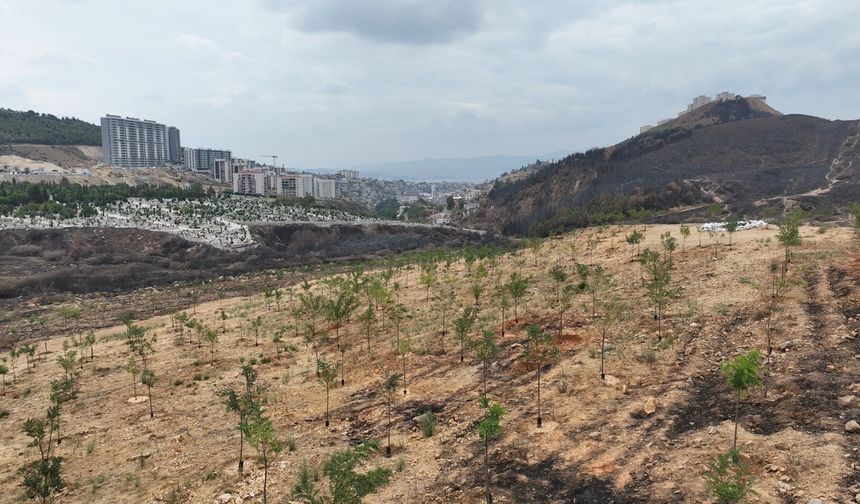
(477, 169)
(34, 128)
(740, 154)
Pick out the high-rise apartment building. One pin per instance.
(205, 160)
(324, 188)
(174, 147)
(132, 143)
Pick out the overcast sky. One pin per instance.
(327, 83)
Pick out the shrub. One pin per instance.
(729, 478)
(427, 423)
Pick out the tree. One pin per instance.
(489, 429)
(669, 242)
(789, 233)
(256, 324)
(462, 326)
(148, 379)
(62, 391)
(731, 227)
(397, 313)
(339, 309)
(328, 377)
(518, 287)
(504, 303)
(612, 311)
(593, 280)
(685, 233)
(211, 337)
(42, 477)
(242, 403)
(139, 342)
(742, 373)
(486, 351)
(404, 350)
(659, 277)
(89, 342)
(729, 478)
(345, 485)
(4, 370)
(541, 350)
(634, 239)
(389, 385)
(368, 320)
(558, 276)
(68, 360)
(429, 277)
(263, 437)
(343, 349)
(132, 367)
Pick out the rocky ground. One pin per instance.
(645, 434)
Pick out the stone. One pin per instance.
(651, 406)
(785, 345)
(224, 498)
(852, 427)
(695, 325)
(816, 501)
(846, 400)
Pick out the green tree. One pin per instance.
(339, 309)
(368, 321)
(4, 370)
(486, 350)
(389, 385)
(660, 292)
(742, 374)
(789, 233)
(256, 324)
(669, 242)
(612, 311)
(89, 342)
(132, 367)
(263, 437)
(345, 485)
(685, 233)
(634, 239)
(42, 478)
(729, 478)
(67, 362)
(148, 379)
(541, 350)
(731, 227)
(489, 429)
(404, 350)
(462, 326)
(242, 403)
(429, 277)
(517, 287)
(854, 211)
(211, 337)
(327, 376)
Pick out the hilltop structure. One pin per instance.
(699, 102)
(133, 143)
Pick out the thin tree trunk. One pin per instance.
(149, 392)
(326, 406)
(487, 472)
(737, 413)
(388, 448)
(539, 419)
(241, 449)
(265, 478)
(602, 352)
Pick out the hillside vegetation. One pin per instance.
(604, 360)
(34, 128)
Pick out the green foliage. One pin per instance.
(541, 348)
(427, 423)
(489, 427)
(345, 484)
(743, 372)
(854, 210)
(387, 208)
(34, 128)
(729, 478)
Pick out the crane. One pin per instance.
(274, 159)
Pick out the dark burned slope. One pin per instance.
(746, 156)
(81, 260)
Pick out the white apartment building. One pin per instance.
(222, 171)
(132, 143)
(324, 188)
(251, 182)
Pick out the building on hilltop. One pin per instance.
(204, 160)
(134, 143)
(174, 146)
(324, 188)
(348, 174)
(251, 182)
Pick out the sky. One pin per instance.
(328, 83)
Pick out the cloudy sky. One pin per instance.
(326, 83)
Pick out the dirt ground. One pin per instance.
(597, 443)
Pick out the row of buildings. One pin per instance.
(699, 102)
(134, 143)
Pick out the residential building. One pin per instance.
(324, 188)
(251, 182)
(174, 147)
(222, 171)
(133, 143)
(643, 129)
(189, 160)
(348, 174)
(700, 101)
(293, 185)
(724, 96)
(758, 97)
(205, 159)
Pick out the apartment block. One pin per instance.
(133, 143)
(324, 188)
(174, 147)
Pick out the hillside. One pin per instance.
(739, 153)
(34, 128)
(644, 434)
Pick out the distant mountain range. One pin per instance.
(740, 154)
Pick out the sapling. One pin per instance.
(685, 233)
(4, 370)
(659, 277)
(367, 320)
(345, 485)
(731, 227)
(541, 350)
(729, 478)
(789, 233)
(854, 211)
(669, 242)
(132, 367)
(344, 347)
(403, 350)
(211, 337)
(327, 376)
(634, 239)
(263, 437)
(462, 326)
(89, 342)
(337, 310)
(742, 374)
(67, 362)
(242, 403)
(256, 324)
(148, 379)
(389, 385)
(42, 477)
(486, 351)
(517, 287)
(612, 311)
(489, 429)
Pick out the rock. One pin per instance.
(852, 427)
(651, 406)
(846, 401)
(785, 345)
(594, 435)
(816, 501)
(224, 498)
(695, 325)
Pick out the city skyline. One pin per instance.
(326, 85)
